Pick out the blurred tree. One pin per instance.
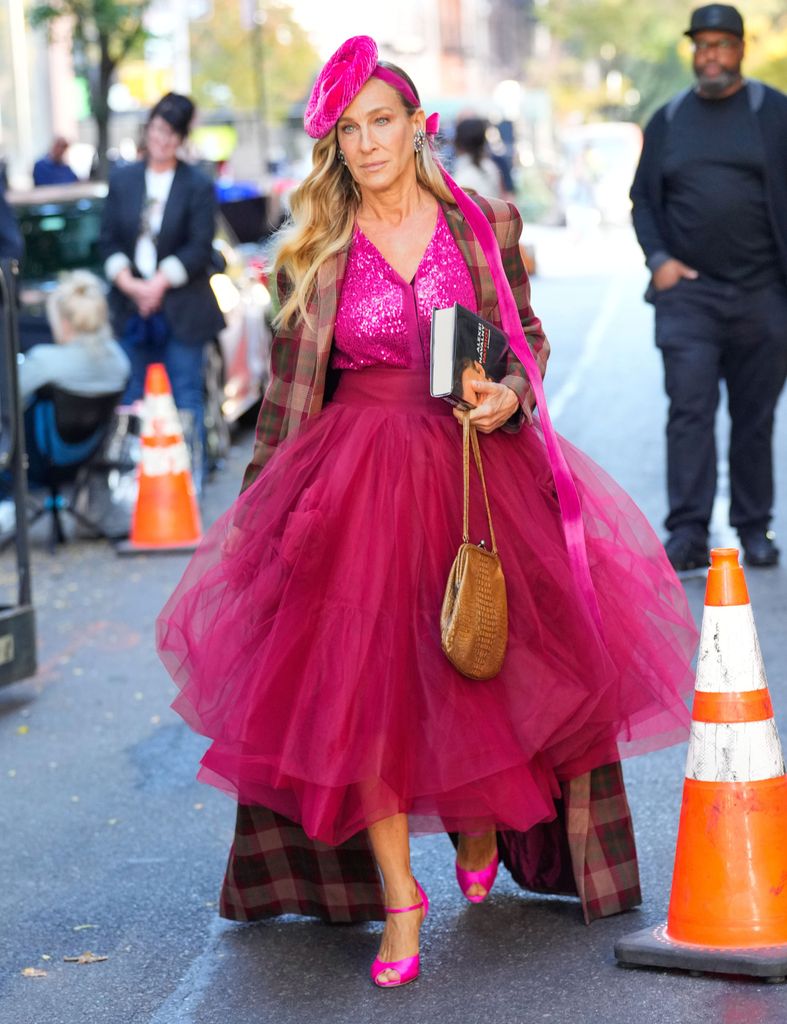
(250, 55)
(641, 48)
(766, 42)
(103, 33)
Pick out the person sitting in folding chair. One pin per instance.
(86, 359)
(70, 389)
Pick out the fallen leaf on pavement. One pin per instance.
(84, 958)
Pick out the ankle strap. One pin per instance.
(403, 910)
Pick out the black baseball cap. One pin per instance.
(716, 18)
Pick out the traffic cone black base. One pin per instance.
(125, 547)
(651, 947)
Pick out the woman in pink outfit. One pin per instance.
(304, 634)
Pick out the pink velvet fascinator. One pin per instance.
(339, 83)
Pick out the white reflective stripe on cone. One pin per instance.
(729, 659)
(734, 752)
(160, 417)
(160, 461)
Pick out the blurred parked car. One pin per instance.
(60, 227)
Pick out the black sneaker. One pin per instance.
(686, 552)
(759, 549)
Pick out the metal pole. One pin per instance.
(258, 59)
(8, 273)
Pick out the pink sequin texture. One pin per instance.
(384, 320)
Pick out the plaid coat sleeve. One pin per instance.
(273, 411)
(514, 266)
(299, 363)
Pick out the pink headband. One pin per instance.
(400, 84)
(337, 85)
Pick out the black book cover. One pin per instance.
(464, 347)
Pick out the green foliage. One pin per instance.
(104, 33)
(645, 43)
(101, 28)
(231, 61)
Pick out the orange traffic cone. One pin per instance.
(166, 516)
(728, 908)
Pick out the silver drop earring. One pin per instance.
(419, 140)
(341, 158)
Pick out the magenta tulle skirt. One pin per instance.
(304, 634)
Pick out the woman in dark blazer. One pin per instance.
(156, 241)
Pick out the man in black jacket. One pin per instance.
(710, 212)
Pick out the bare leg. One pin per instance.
(391, 845)
(474, 854)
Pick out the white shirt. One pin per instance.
(157, 188)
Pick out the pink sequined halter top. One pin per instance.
(383, 319)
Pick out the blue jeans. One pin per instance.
(184, 363)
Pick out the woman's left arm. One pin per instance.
(509, 403)
(514, 267)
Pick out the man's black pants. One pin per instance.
(709, 331)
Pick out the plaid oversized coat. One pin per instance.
(274, 867)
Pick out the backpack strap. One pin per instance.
(675, 102)
(755, 91)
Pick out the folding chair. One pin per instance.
(65, 432)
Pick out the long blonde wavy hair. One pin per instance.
(324, 207)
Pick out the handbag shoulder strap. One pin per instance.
(470, 437)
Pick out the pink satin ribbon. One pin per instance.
(568, 498)
(570, 507)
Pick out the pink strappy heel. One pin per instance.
(408, 967)
(485, 877)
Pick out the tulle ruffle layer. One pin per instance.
(304, 635)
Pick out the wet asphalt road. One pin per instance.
(109, 846)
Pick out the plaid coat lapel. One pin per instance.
(485, 293)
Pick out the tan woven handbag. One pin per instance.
(474, 616)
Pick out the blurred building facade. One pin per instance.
(450, 47)
(457, 51)
(28, 109)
